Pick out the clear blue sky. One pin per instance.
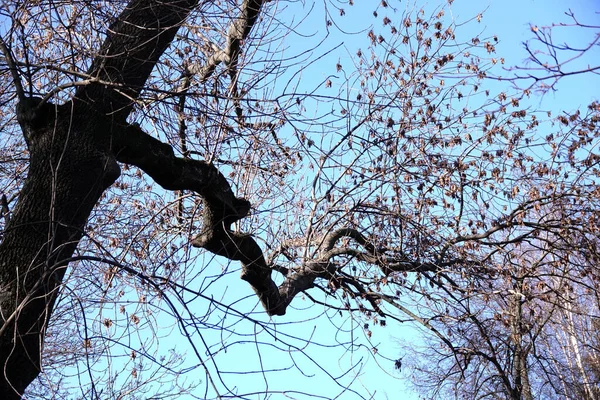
(510, 21)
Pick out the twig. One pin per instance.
(12, 66)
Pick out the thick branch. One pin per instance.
(221, 208)
(134, 43)
(336, 235)
(133, 146)
(219, 239)
(371, 255)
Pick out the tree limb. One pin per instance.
(132, 145)
(219, 239)
(238, 31)
(134, 43)
(14, 71)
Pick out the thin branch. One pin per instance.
(238, 31)
(14, 71)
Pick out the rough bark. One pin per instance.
(69, 169)
(135, 41)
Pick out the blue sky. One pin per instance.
(510, 21)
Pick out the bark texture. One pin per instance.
(70, 166)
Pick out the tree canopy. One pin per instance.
(155, 151)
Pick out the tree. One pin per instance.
(73, 151)
(523, 332)
(381, 195)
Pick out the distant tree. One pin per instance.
(523, 325)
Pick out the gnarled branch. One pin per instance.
(132, 145)
(219, 239)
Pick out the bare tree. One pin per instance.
(399, 188)
(523, 331)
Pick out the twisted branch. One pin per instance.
(219, 239)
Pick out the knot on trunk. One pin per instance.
(34, 114)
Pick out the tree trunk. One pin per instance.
(520, 371)
(70, 166)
